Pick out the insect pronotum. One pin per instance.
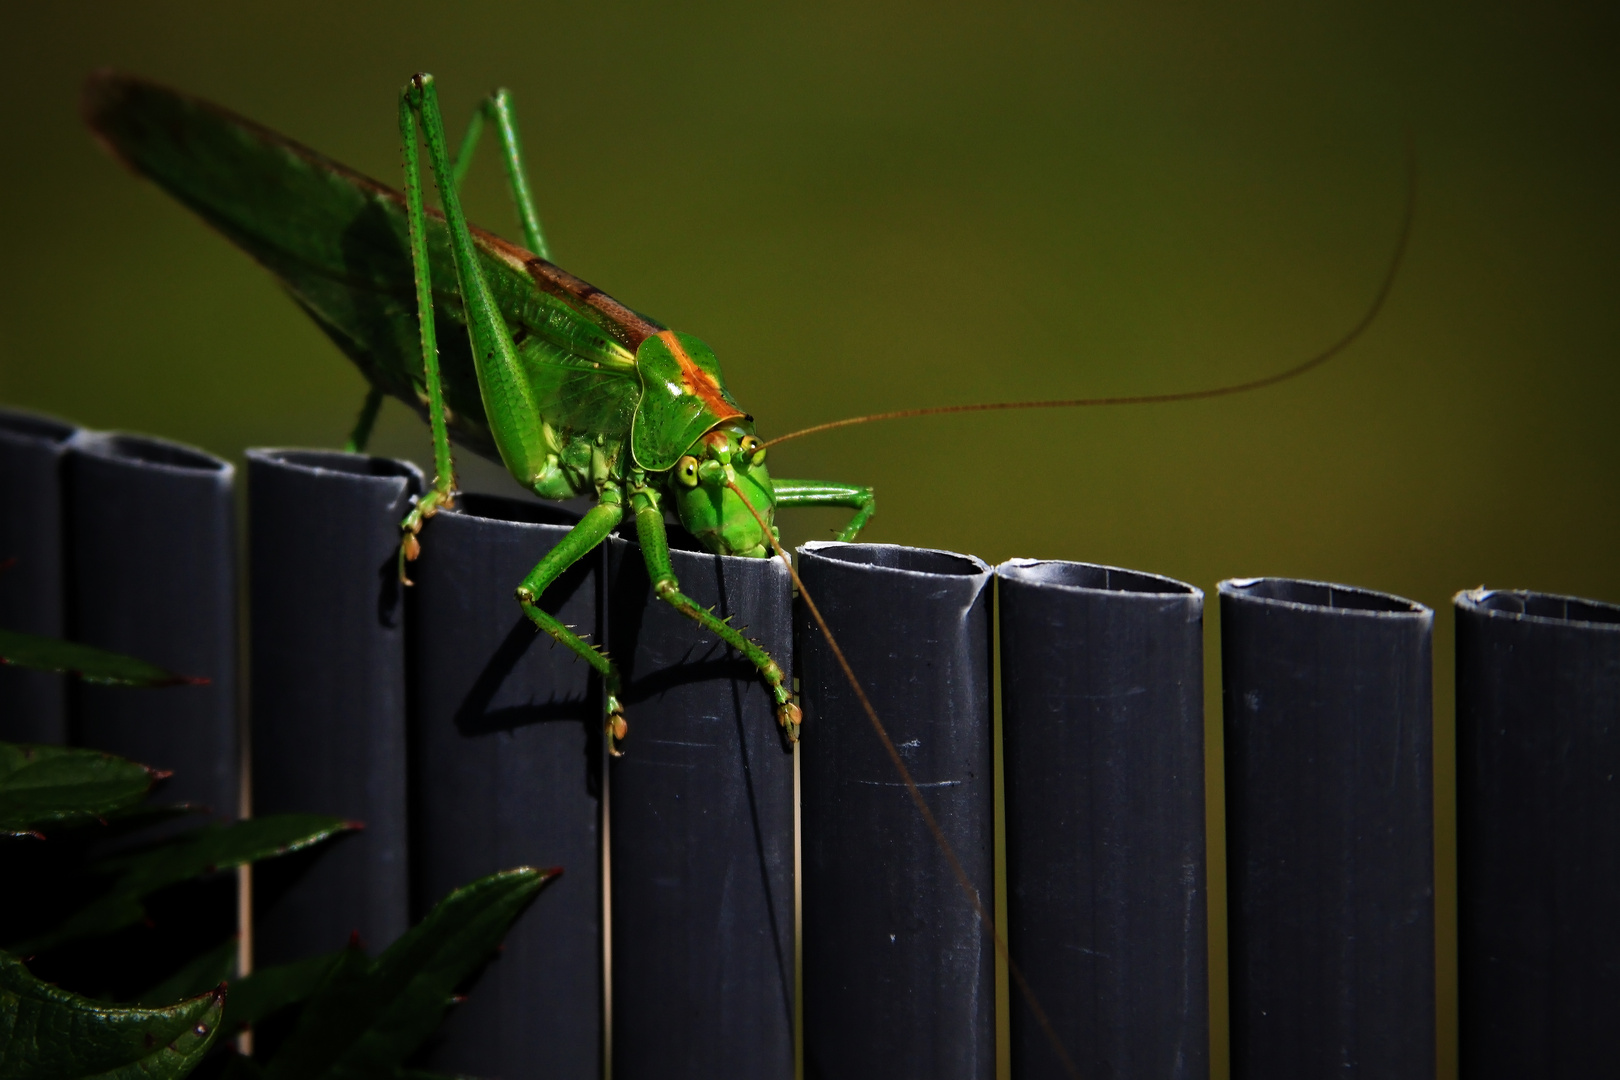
(574, 392)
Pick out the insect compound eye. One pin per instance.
(752, 449)
(686, 470)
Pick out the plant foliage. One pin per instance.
(83, 661)
(47, 786)
(351, 1017)
(47, 1032)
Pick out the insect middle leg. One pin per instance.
(364, 422)
(655, 553)
(592, 529)
(829, 493)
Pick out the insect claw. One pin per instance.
(615, 729)
(789, 716)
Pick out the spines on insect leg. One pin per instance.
(514, 418)
(444, 480)
(592, 529)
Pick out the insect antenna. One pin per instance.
(1344, 342)
(917, 799)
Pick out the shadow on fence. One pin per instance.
(466, 743)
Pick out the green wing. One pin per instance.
(338, 242)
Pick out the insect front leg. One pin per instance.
(655, 553)
(592, 529)
(827, 493)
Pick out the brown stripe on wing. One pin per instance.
(630, 327)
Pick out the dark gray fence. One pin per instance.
(33, 705)
(1102, 701)
(1329, 830)
(1538, 834)
(327, 653)
(466, 743)
(899, 972)
(149, 543)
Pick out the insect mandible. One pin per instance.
(575, 393)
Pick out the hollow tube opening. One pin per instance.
(1570, 609)
(339, 462)
(521, 511)
(1321, 595)
(1078, 575)
(150, 451)
(896, 557)
(35, 427)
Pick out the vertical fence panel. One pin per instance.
(506, 764)
(328, 691)
(31, 583)
(1538, 824)
(898, 970)
(702, 828)
(151, 562)
(1103, 719)
(1329, 824)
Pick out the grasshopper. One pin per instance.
(575, 393)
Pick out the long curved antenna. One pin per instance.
(917, 799)
(1384, 289)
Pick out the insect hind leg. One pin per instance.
(503, 383)
(497, 109)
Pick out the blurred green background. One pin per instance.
(872, 207)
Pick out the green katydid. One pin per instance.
(574, 392)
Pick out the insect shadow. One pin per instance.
(478, 713)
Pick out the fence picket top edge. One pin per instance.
(1481, 601)
(149, 453)
(336, 464)
(17, 425)
(835, 551)
(487, 508)
(1389, 607)
(1049, 573)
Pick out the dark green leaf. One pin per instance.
(364, 1028)
(58, 785)
(267, 992)
(48, 1032)
(197, 977)
(135, 818)
(218, 847)
(215, 847)
(87, 663)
